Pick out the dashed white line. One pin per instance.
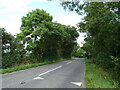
(69, 62)
(39, 76)
(49, 71)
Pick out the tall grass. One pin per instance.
(96, 77)
(22, 67)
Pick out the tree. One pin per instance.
(40, 40)
(33, 27)
(101, 23)
(12, 50)
(79, 51)
(45, 39)
(69, 41)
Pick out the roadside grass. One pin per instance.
(22, 67)
(96, 77)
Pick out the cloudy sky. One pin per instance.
(11, 12)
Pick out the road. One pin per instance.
(65, 74)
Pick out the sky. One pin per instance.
(11, 12)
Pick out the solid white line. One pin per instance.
(49, 71)
(69, 62)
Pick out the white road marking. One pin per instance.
(49, 71)
(39, 76)
(77, 83)
(69, 62)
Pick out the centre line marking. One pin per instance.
(49, 71)
(69, 62)
(38, 77)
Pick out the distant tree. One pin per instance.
(69, 41)
(80, 52)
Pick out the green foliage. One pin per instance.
(7, 48)
(12, 50)
(47, 40)
(96, 77)
(79, 52)
(101, 24)
(26, 66)
(40, 40)
(68, 41)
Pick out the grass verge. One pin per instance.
(22, 67)
(96, 77)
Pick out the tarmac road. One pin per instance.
(65, 74)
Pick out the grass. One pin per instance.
(22, 67)
(96, 77)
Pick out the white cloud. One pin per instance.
(11, 12)
(70, 19)
(11, 27)
(10, 6)
(14, 3)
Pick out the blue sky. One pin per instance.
(11, 12)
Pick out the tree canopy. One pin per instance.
(40, 40)
(101, 24)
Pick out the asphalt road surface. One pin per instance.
(65, 74)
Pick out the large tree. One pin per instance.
(33, 27)
(101, 23)
(45, 39)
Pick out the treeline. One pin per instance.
(102, 27)
(40, 40)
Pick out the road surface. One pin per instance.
(65, 74)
